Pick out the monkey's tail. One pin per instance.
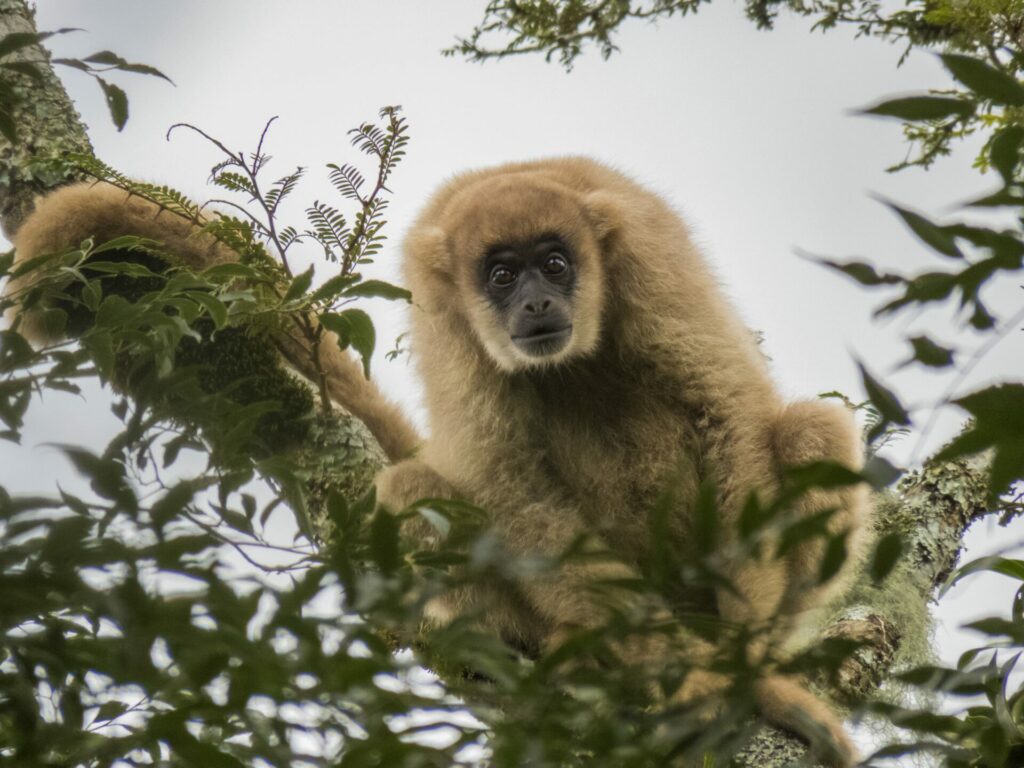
(65, 217)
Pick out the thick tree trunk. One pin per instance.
(932, 508)
(48, 126)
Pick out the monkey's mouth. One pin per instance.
(543, 341)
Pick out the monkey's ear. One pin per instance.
(604, 210)
(428, 246)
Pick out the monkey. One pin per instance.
(575, 351)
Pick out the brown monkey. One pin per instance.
(574, 348)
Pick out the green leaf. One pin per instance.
(114, 312)
(111, 59)
(355, 329)
(834, 557)
(930, 233)
(362, 336)
(117, 103)
(15, 41)
(298, 286)
(384, 541)
(863, 273)
(213, 306)
(331, 288)
(92, 295)
(927, 352)
(887, 554)
(378, 289)
(885, 402)
(880, 473)
(129, 268)
(339, 512)
(222, 272)
(1004, 153)
(984, 79)
(997, 423)
(993, 563)
(822, 474)
(26, 68)
(110, 710)
(7, 127)
(915, 108)
(125, 243)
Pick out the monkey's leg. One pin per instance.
(776, 595)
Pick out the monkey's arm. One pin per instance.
(777, 594)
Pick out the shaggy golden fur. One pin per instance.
(660, 379)
(66, 217)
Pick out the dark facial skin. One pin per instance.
(531, 286)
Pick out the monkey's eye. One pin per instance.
(502, 277)
(556, 264)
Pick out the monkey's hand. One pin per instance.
(786, 702)
(408, 481)
(781, 701)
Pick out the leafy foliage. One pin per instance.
(981, 37)
(131, 633)
(992, 731)
(21, 56)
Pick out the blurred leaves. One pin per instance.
(21, 56)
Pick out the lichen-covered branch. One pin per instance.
(48, 126)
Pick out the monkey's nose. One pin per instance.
(537, 307)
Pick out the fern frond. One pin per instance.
(347, 180)
(282, 188)
(369, 138)
(330, 228)
(288, 235)
(234, 182)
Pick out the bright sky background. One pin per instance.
(750, 134)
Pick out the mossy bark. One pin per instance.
(48, 126)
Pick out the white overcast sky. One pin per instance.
(750, 135)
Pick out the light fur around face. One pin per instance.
(660, 379)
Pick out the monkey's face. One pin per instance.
(527, 268)
(531, 287)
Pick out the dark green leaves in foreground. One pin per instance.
(922, 108)
(354, 329)
(997, 424)
(19, 57)
(890, 411)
